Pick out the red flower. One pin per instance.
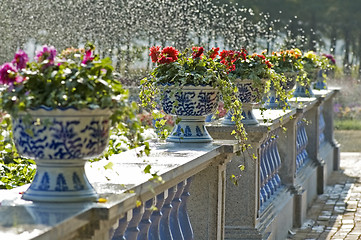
(214, 53)
(165, 59)
(229, 57)
(167, 55)
(170, 52)
(244, 53)
(154, 53)
(197, 52)
(261, 56)
(232, 68)
(269, 65)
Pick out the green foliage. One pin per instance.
(254, 67)
(73, 78)
(286, 61)
(348, 124)
(188, 70)
(14, 170)
(17, 173)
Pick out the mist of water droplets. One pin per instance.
(125, 29)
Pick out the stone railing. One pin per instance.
(196, 198)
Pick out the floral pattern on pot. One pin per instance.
(273, 100)
(62, 134)
(60, 141)
(248, 93)
(192, 104)
(191, 101)
(303, 91)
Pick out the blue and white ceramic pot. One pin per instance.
(60, 142)
(320, 83)
(303, 90)
(249, 95)
(191, 104)
(273, 101)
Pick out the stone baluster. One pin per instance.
(263, 193)
(302, 141)
(266, 187)
(122, 225)
(183, 213)
(305, 142)
(174, 217)
(164, 228)
(321, 126)
(272, 162)
(268, 163)
(145, 222)
(156, 216)
(133, 230)
(299, 146)
(277, 158)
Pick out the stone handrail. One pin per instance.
(124, 186)
(196, 198)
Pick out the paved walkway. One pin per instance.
(336, 214)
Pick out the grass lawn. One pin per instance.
(350, 140)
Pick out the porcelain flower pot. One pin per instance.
(60, 142)
(320, 83)
(249, 95)
(304, 90)
(273, 101)
(191, 104)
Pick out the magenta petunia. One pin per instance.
(88, 57)
(20, 59)
(47, 53)
(9, 74)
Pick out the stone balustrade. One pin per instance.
(292, 155)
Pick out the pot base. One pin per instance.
(303, 91)
(190, 131)
(63, 182)
(247, 113)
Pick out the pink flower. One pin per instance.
(87, 57)
(9, 74)
(47, 53)
(20, 59)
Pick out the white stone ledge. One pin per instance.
(122, 186)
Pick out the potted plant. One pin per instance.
(285, 63)
(328, 63)
(310, 64)
(189, 85)
(62, 107)
(253, 76)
